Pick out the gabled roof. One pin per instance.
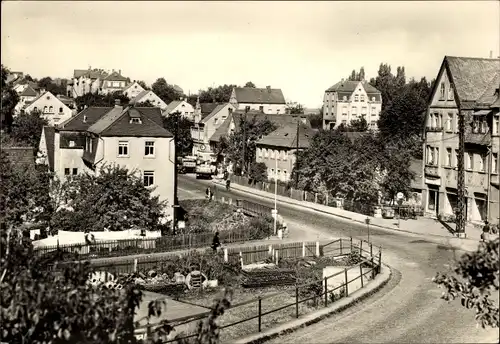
(259, 95)
(173, 104)
(44, 94)
(286, 137)
(207, 108)
(349, 86)
(49, 133)
(471, 76)
(117, 123)
(137, 98)
(90, 115)
(115, 76)
(490, 95)
(91, 74)
(222, 130)
(214, 112)
(130, 85)
(28, 92)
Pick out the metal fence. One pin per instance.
(320, 291)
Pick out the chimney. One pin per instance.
(268, 89)
(117, 103)
(120, 71)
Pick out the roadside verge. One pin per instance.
(371, 288)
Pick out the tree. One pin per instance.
(357, 76)
(49, 85)
(472, 280)
(297, 109)
(146, 103)
(115, 199)
(180, 127)
(143, 84)
(358, 125)
(316, 120)
(28, 77)
(27, 128)
(96, 99)
(9, 101)
(258, 172)
(250, 84)
(385, 83)
(220, 94)
(252, 129)
(165, 91)
(398, 175)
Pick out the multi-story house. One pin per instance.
(204, 128)
(85, 81)
(114, 82)
(182, 106)
(51, 108)
(130, 137)
(347, 101)
(151, 97)
(26, 97)
(465, 87)
(267, 100)
(277, 150)
(132, 90)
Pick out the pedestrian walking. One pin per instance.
(216, 242)
(486, 231)
(207, 194)
(211, 194)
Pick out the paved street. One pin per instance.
(408, 309)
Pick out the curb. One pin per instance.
(314, 317)
(354, 220)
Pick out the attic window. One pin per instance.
(71, 143)
(48, 97)
(135, 120)
(84, 119)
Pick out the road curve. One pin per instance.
(407, 310)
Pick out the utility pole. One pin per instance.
(176, 201)
(244, 123)
(461, 213)
(297, 155)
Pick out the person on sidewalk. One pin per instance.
(486, 231)
(208, 194)
(216, 242)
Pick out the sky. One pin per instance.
(301, 47)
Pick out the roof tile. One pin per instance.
(259, 95)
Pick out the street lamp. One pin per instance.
(275, 193)
(367, 221)
(299, 117)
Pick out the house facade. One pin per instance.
(130, 137)
(151, 97)
(51, 108)
(466, 87)
(204, 128)
(347, 101)
(26, 97)
(182, 106)
(132, 90)
(95, 80)
(267, 100)
(114, 82)
(277, 150)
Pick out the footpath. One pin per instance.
(431, 229)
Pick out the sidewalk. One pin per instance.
(428, 227)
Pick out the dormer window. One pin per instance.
(135, 120)
(84, 119)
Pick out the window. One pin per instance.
(356, 98)
(436, 156)
(285, 155)
(71, 143)
(373, 124)
(261, 108)
(456, 157)
(48, 97)
(66, 171)
(354, 111)
(266, 152)
(122, 148)
(149, 148)
(362, 98)
(135, 120)
(448, 157)
(442, 91)
(469, 161)
(363, 110)
(482, 163)
(278, 173)
(449, 122)
(45, 109)
(450, 93)
(135, 86)
(149, 178)
(344, 110)
(374, 112)
(35, 109)
(373, 99)
(432, 200)
(344, 98)
(278, 155)
(496, 124)
(60, 109)
(272, 172)
(494, 163)
(75, 171)
(272, 153)
(51, 109)
(259, 152)
(247, 108)
(285, 176)
(109, 83)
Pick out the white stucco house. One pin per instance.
(267, 100)
(149, 96)
(132, 90)
(51, 108)
(182, 106)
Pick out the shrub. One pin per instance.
(260, 227)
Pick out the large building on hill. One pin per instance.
(267, 100)
(130, 137)
(467, 87)
(95, 80)
(347, 101)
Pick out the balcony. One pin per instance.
(479, 139)
(432, 171)
(198, 134)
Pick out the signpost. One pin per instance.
(400, 196)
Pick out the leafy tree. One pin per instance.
(258, 172)
(220, 94)
(143, 84)
(316, 120)
(472, 280)
(250, 84)
(180, 126)
(165, 91)
(358, 125)
(146, 103)
(9, 101)
(28, 77)
(398, 175)
(49, 85)
(357, 76)
(254, 130)
(297, 109)
(27, 128)
(115, 199)
(385, 83)
(96, 99)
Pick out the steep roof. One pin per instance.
(49, 133)
(117, 123)
(91, 116)
(207, 108)
(28, 92)
(471, 76)
(138, 97)
(286, 136)
(172, 105)
(115, 76)
(349, 86)
(130, 85)
(259, 95)
(490, 95)
(213, 113)
(92, 74)
(222, 130)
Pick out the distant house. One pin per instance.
(181, 106)
(266, 100)
(114, 82)
(207, 108)
(277, 150)
(204, 128)
(26, 97)
(95, 80)
(51, 108)
(12, 77)
(347, 101)
(20, 85)
(151, 97)
(132, 90)
(130, 137)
